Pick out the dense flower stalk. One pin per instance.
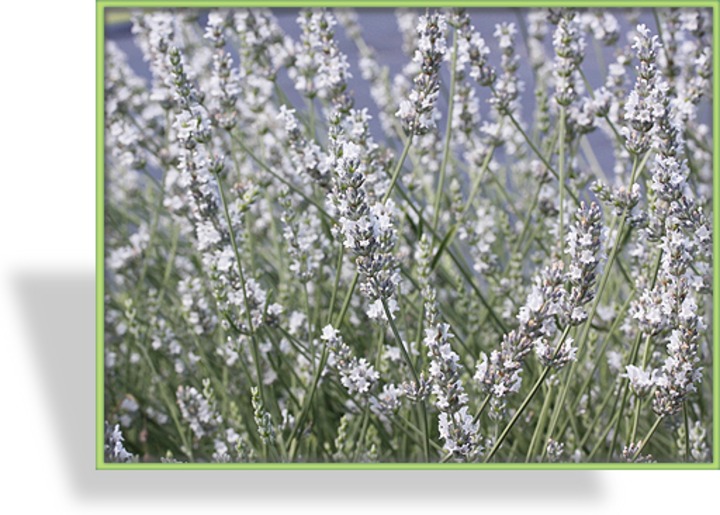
(585, 254)
(569, 50)
(356, 375)
(455, 423)
(418, 111)
(644, 103)
(507, 86)
(320, 69)
(366, 228)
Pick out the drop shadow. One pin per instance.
(59, 312)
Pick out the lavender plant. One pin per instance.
(502, 253)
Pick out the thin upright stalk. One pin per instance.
(416, 378)
(241, 275)
(398, 168)
(561, 179)
(647, 438)
(448, 133)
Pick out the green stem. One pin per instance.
(479, 178)
(366, 411)
(517, 414)
(601, 287)
(625, 392)
(336, 284)
(416, 378)
(538, 426)
(462, 267)
(526, 220)
(561, 179)
(448, 134)
(482, 408)
(649, 435)
(398, 168)
(292, 443)
(593, 423)
(348, 298)
(603, 436)
(311, 340)
(636, 415)
(311, 125)
(591, 375)
(586, 328)
(686, 422)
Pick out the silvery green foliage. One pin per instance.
(263, 420)
(296, 273)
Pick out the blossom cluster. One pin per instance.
(418, 111)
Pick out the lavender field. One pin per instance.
(412, 236)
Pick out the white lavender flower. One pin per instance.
(455, 424)
(499, 373)
(644, 104)
(569, 50)
(603, 25)
(473, 52)
(641, 381)
(555, 451)
(418, 111)
(320, 68)
(429, 294)
(699, 450)
(481, 236)
(304, 239)
(115, 451)
(553, 356)
(630, 454)
(507, 86)
(121, 257)
(356, 375)
(388, 400)
(264, 47)
(225, 86)
(307, 156)
(156, 32)
(367, 229)
(585, 254)
(681, 372)
(198, 410)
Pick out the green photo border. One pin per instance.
(101, 5)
